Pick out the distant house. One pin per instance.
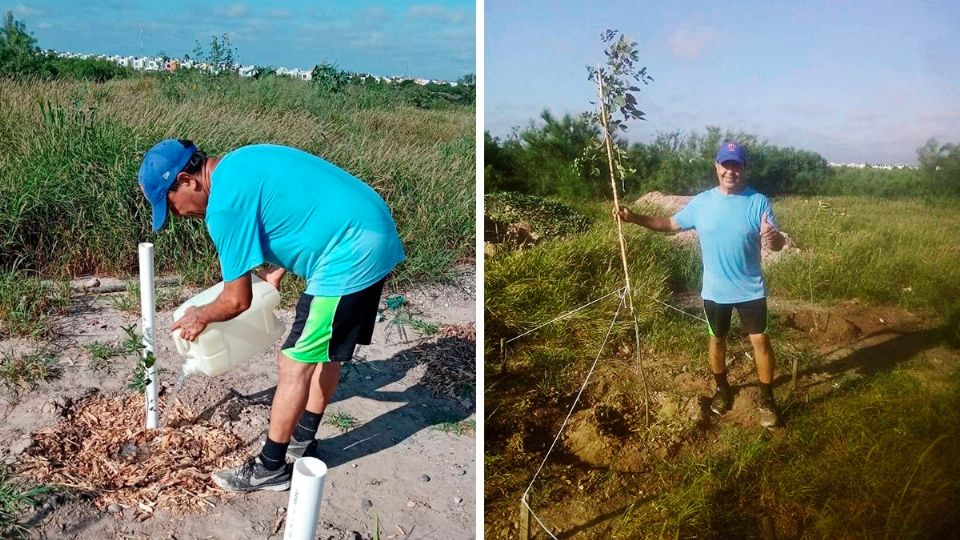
(296, 73)
(247, 71)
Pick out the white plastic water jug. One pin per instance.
(223, 345)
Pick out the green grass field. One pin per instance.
(70, 205)
(873, 457)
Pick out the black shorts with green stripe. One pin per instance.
(753, 316)
(329, 328)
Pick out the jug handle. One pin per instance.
(182, 345)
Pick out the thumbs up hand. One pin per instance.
(769, 234)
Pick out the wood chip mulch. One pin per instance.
(451, 361)
(102, 449)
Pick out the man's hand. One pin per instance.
(272, 275)
(625, 215)
(190, 324)
(769, 235)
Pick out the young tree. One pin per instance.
(18, 48)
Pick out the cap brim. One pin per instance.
(159, 214)
(735, 159)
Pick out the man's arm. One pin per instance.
(654, 223)
(234, 300)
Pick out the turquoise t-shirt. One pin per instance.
(286, 207)
(728, 227)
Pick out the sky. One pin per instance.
(855, 81)
(433, 39)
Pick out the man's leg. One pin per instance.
(718, 324)
(717, 352)
(322, 387)
(763, 350)
(268, 470)
(351, 324)
(293, 389)
(753, 316)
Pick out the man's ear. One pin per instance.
(184, 179)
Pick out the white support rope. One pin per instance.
(678, 309)
(701, 319)
(570, 413)
(565, 315)
(542, 526)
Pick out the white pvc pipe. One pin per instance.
(306, 492)
(148, 320)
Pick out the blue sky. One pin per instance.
(854, 81)
(431, 39)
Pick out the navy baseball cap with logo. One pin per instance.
(732, 151)
(160, 167)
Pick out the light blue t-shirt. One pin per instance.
(729, 230)
(283, 206)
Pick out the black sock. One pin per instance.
(766, 390)
(306, 429)
(273, 455)
(721, 379)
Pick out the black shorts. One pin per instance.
(753, 316)
(329, 328)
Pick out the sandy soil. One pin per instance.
(395, 465)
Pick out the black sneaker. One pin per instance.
(252, 476)
(721, 401)
(769, 413)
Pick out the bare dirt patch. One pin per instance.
(402, 463)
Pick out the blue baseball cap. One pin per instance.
(160, 167)
(732, 151)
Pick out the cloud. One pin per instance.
(433, 12)
(236, 10)
(24, 10)
(372, 19)
(279, 13)
(689, 43)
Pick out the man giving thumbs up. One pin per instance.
(732, 221)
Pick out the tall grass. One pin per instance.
(69, 201)
(902, 252)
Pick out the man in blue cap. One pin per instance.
(274, 205)
(731, 220)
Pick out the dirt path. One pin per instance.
(397, 464)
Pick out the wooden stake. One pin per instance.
(503, 356)
(793, 387)
(608, 142)
(524, 521)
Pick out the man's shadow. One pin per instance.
(420, 408)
